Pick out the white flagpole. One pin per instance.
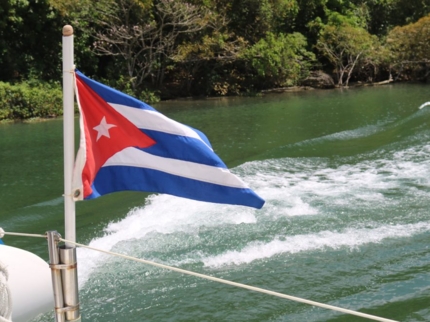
(63, 261)
(68, 134)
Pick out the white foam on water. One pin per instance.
(425, 104)
(307, 181)
(350, 238)
(354, 134)
(292, 187)
(348, 134)
(162, 214)
(53, 202)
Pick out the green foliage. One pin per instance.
(346, 46)
(84, 16)
(208, 64)
(252, 19)
(349, 17)
(30, 38)
(410, 46)
(281, 58)
(171, 48)
(411, 42)
(215, 46)
(384, 15)
(149, 96)
(29, 100)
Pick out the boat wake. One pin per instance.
(350, 238)
(312, 205)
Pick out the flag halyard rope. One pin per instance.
(219, 280)
(22, 235)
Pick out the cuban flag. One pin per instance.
(126, 144)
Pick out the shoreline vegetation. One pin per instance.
(54, 108)
(162, 49)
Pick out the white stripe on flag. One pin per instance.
(137, 158)
(152, 120)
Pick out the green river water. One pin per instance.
(346, 179)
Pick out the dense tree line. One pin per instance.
(172, 48)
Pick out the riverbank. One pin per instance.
(309, 88)
(280, 90)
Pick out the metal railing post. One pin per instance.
(57, 285)
(63, 264)
(69, 275)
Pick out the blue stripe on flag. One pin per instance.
(182, 148)
(156, 181)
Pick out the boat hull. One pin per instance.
(29, 282)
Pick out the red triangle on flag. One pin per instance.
(107, 132)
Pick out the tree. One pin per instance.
(251, 20)
(410, 47)
(83, 15)
(280, 59)
(384, 15)
(30, 37)
(215, 51)
(345, 46)
(147, 35)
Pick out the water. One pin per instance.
(345, 175)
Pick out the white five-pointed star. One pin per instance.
(103, 128)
